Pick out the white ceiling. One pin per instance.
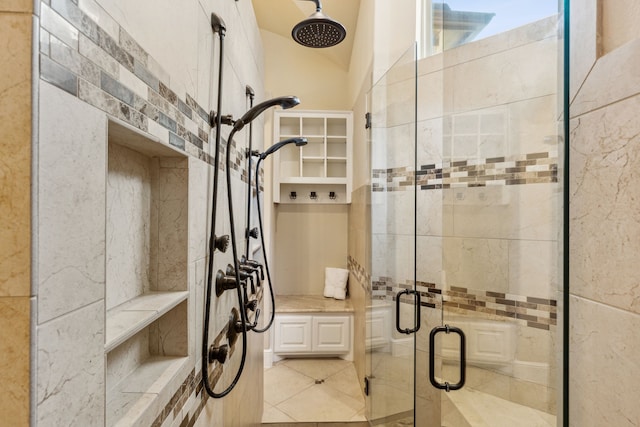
(280, 16)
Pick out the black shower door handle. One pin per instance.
(432, 363)
(416, 311)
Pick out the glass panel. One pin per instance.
(451, 23)
(390, 353)
(500, 209)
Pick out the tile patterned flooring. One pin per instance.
(323, 390)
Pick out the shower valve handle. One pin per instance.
(225, 282)
(255, 320)
(251, 270)
(254, 264)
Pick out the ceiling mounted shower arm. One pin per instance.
(318, 4)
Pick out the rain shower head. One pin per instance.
(318, 30)
(278, 145)
(283, 101)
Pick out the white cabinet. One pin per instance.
(321, 171)
(330, 334)
(317, 334)
(378, 327)
(293, 334)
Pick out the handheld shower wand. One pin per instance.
(285, 102)
(278, 145)
(275, 147)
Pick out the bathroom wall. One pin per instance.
(306, 238)
(604, 224)
(16, 26)
(152, 69)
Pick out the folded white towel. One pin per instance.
(329, 291)
(335, 282)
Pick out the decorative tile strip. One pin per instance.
(532, 168)
(192, 385)
(533, 312)
(110, 71)
(360, 273)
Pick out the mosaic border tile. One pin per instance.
(360, 273)
(529, 311)
(192, 384)
(110, 71)
(531, 168)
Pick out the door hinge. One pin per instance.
(367, 120)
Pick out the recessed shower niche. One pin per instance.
(146, 343)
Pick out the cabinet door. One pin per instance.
(331, 334)
(378, 328)
(293, 334)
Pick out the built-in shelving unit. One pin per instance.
(146, 293)
(323, 166)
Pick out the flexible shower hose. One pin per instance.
(264, 252)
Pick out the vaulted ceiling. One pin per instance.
(280, 16)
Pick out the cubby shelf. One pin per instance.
(137, 399)
(147, 328)
(126, 320)
(323, 166)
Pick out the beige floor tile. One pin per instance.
(346, 381)
(318, 369)
(360, 416)
(321, 403)
(271, 414)
(387, 401)
(281, 383)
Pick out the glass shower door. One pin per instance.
(496, 190)
(392, 314)
(466, 213)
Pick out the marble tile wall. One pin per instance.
(16, 26)
(153, 68)
(604, 309)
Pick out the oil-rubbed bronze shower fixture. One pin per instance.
(319, 30)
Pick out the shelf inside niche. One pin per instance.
(137, 399)
(146, 290)
(126, 320)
